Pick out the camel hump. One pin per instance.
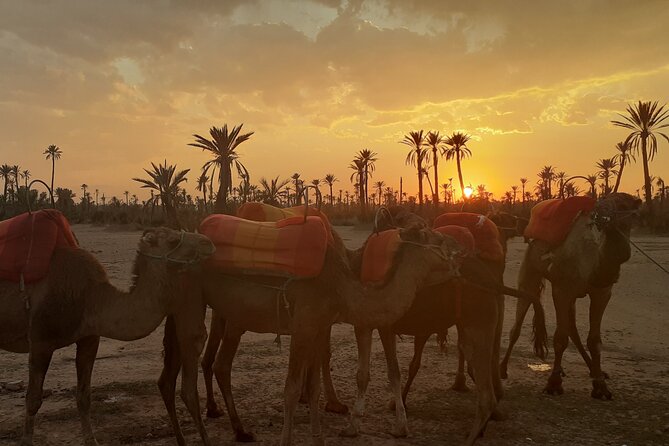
(379, 255)
(291, 246)
(485, 232)
(27, 243)
(551, 220)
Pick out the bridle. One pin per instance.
(166, 257)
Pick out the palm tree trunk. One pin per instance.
(620, 174)
(436, 177)
(420, 181)
(222, 196)
(330, 194)
(646, 176)
(462, 183)
(53, 170)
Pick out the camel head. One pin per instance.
(617, 211)
(174, 247)
(441, 251)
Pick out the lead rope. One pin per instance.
(647, 256)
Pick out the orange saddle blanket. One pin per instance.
(257, 211)
(378, 256)
(27, 242)
(485, 232)
(289, 247)
(551, 220)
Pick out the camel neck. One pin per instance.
(127, 316)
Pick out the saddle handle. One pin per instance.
(319, 199)
(53, 203)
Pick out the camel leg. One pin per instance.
(460, 383)
(38, 364)
(496, 347)
(87, 350)
(223, 370)
(297, 368)
(478, 347)
(419, 342)
(522, 305)
(576, 338)
(363, 337)
(167, 382)
(599, 299)
(314, 382)
(213, 344)
(332, 400)
(560, 341)
(401, 428)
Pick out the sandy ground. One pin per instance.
(127, 408)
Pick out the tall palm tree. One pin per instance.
(223, 147)
(271, 190)
(547, 175)
(202, 187)
(84, 198)
(126, 193)
(6, 175)
(592, 180)
(165, 179)
(645, 119)
(368, 157)
(523, 182)
(330, 180)
(606, 168)
(357, 176)
(416, 141)
(623, 157)
(560, 177)
(53, 153)
(316, 182)
(660, 185)
(514, 190)
(16, 171)
(458, 150)
(435, 142)
(379, 185)
(25, 174)
(298, 195)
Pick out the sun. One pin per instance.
(468, 191)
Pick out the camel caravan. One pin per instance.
(287, 272)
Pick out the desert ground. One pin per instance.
(127, 408)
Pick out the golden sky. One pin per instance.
(118, 84)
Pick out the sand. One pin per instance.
(127, 408)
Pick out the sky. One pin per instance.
(120, 84)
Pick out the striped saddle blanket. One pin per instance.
(290, 247)
(484, 231)
(551, 220)
(28, 241)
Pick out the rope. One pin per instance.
(647, 256)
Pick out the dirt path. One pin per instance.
(127, 408)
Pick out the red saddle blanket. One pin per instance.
(290, 246)
(27, 242)
(257, 211)
(378, 256)
(551, 220)
(484, 231)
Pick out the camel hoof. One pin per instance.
(460, 384)
(214, 412)
(604, 375)
(336, 407)
(503, 373)
(600, 391)
(349, 432)
(554, 389)
(245, 437)
(400, 432)
(499, 415)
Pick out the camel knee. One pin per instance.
(594, 342)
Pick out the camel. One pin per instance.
(75, 303)
(587, 262)
(313, 306)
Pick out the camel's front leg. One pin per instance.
(460, 383)
(387, 335)
(213, 343)
(87, 350)
(297, 368)
(167, 382)
(562, 302)
(599, 299)
(419, 342)
(223, 370)
(38, 364)
(332, 400)
(497, 346)
(363, 337)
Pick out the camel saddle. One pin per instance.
(378, 256)
(289, 247)
(461, 235)
(551, 220)
(28, 241)
(484, 231)
(257, 211)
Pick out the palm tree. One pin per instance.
(435, 142)
(606, 169)
(458, 150)
(127, 202)
(330, 180)
(53, 153)
(660, 185)
(298, 195)
(523, 182)
(379, 185)
(26, 176)
(368, 157)
(272, 190)
(6, 174)
(202, 187)
(623, 157)
(317, 184)
(166, 180)
(222, 146)
(84, 200)
(416, 156)
(644, 120)
(357, 176)
(515, 192)
(547, 175)
(592, 180)
(561, 176)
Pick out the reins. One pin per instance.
(166, 257)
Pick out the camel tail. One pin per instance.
(531, 281)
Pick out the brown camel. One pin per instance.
(587, 262)
(313, 306)
(75, 303)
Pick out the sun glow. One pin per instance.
(468, 191)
